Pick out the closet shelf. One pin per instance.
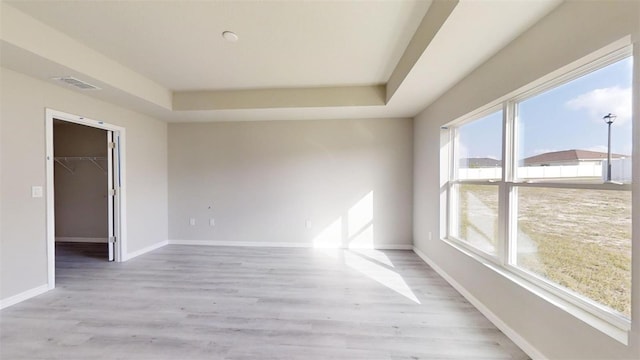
(64, 160)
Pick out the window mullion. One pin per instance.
(453, 153)
(505, 208)
(512, 224)
(508, 142)
(451, 188)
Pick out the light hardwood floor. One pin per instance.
(193, 302)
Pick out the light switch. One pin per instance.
(192, 222)
(212, 222)
(36, 191)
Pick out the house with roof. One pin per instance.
(569, 157)
(480, 162)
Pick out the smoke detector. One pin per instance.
(70, 80)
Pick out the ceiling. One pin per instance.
(293, 60)
(282, 44)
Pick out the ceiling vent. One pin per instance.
(70, 80)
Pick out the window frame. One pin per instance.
(453, 181)
(506, 250)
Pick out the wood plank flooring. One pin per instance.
(193, 302)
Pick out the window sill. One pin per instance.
(618, 332)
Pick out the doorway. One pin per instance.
(84, 189)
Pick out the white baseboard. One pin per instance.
(12, 300)
(271, 244)
(394, 247)
(145, 250)
(82, 239)
(532, 351)
(239, 243)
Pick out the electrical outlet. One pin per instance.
(36, 191)
(192, 222)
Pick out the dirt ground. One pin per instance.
(579, 239)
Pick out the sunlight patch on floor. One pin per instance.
(330, 237)
(375, 255)
(380, 274)
(355, 230)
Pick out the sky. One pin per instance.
(566, 117)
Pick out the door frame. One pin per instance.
(120, 198)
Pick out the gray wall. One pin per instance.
(574, 30)
(81, 201)
(23, 245)
(263, 180)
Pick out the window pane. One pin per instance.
(476, 220)
(479, 148)
(579, 239)
(562, 134)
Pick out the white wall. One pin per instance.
(23, 245)
(585, 169)
(263, 180)
(621, 169)
(572, 31)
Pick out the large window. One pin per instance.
(478, 158)
(540, 184)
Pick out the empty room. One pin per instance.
(376, 179)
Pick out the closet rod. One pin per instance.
(94, 160)
(79, 158)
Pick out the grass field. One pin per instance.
(580, 239)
